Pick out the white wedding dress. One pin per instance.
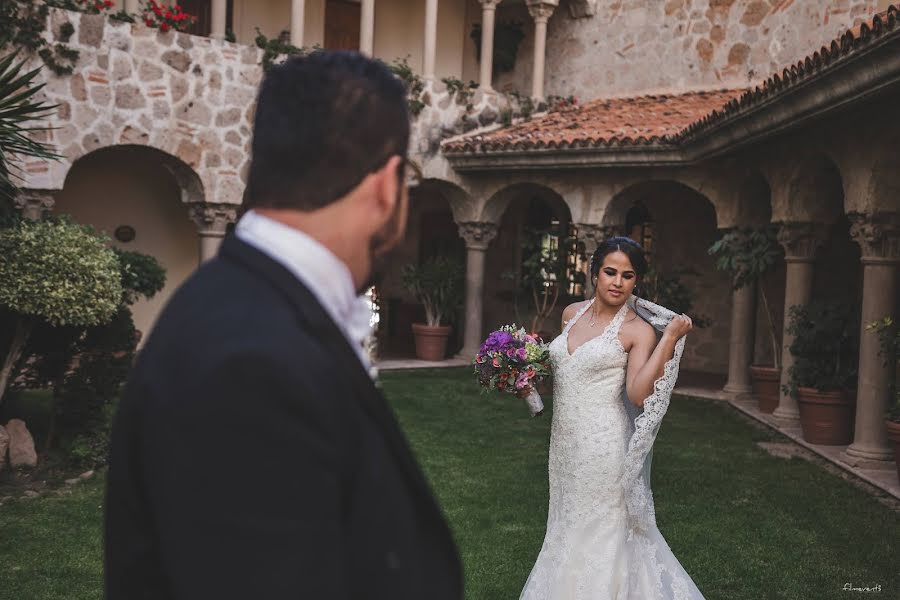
(602, 542)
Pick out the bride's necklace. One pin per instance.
(591, 322)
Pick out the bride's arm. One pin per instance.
(647, 358)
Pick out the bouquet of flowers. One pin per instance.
(514, 362)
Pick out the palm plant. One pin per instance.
(20, 113)
(750, 254)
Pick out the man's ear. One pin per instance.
(388, 185)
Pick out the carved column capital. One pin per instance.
(489, 4)
(801, 240)
(878, 236)
(34, 203)
(542, 10)
(477, 234)
(212, 219)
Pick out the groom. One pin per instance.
(252, 455)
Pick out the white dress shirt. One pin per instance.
(326, 276)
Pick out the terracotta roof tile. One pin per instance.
(665, 119)
(640, 120)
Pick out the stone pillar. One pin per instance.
(132, 6)
(367, 27)
(540, 11)
(217, 27)
(800, 242)
(34, 204)
(298, 10)
(431, 20)
(741, 340)
(593, 235)
(878, 236)
(212, 221)
(488, 12)
(478, 236)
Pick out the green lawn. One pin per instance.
(744, 524)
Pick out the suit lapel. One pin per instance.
(316, 319)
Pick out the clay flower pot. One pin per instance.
(431, 342)
(765, 382)
(827, 417)
(893, 434)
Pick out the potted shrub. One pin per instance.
(889, 336)
(438, 284)
(823, 376)
(749, 254)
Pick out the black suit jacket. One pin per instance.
(253, 457)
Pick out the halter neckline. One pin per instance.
(612, 326)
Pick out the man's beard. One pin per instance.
(384, 245)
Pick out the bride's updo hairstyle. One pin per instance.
(632, 250)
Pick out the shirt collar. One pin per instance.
(327, 276)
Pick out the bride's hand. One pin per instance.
(679, 326)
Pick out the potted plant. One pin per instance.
(749, 254)
(823, 376)
(889, 336)
(438, 284)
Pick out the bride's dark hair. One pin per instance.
(632, 250)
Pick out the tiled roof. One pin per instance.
(857, 39)
(666, 120)
(623, 121)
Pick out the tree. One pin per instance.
(19, 112)
(57, 272)
(750, 254)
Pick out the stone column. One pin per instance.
(540, 11)
(217, 27)
(212, 221)
(367, 27)
(478, 236)
(34, 204)
(431, 20)
(132, 6)
(488, 12)
(298, 10)
(741, 340)
(878, 236)
(800, 242)
(593, 235)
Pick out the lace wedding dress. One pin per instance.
(602, 542)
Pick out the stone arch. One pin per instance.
(517, 209)
(683, 224)
(435, 207)
(753, 202)
(814, 192)
(497, 204)
(582, 8)
(458, 199)
(617, 210)
(137, 195)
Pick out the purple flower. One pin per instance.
(521, 354)
(496, 342)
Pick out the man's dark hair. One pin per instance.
(323, 122)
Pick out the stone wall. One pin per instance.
(190, 97)
(631, 47)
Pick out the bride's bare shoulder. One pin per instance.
(569, 311)
(635, 328)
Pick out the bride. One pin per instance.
(602, 542)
